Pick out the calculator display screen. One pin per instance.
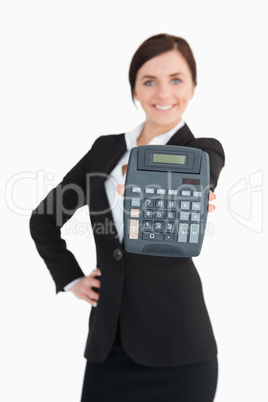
(165, 158)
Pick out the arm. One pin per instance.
(52, 213)
(216, 157)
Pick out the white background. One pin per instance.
(64, 81)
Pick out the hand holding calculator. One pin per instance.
(166, 200)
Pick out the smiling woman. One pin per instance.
(150, 336)
(164, 86)
(162, 77)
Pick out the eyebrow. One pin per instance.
(153, 77)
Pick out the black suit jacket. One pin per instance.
(159, 300)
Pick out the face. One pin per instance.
(164, 87)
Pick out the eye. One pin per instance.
(176, 81)
(149, 83)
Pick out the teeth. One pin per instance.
(163, 107)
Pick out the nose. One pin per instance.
(163, 91)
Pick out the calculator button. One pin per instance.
(183, 232)
(136, 189)
(197, 193)
(170, 226)
(171, 215)
(186, 193)
(194, 233)
(134, 229)
(160, 191)
(195, 217)
(148, 214)
(159, 226)
(147, 225)
(152, 236)
(149, 190)
(134, 213)
(169, 237)
(185, 205)
(135, 202)
(184, 216)
(148, 203)
(159, 203)
(171, 204)
(196, 206)
(159, 214)
(172, 192)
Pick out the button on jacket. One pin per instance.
(118, 254)
(158, 300)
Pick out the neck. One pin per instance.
(151, 130)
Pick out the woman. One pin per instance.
(150, 336)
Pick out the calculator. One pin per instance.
(166, 200)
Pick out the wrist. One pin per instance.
(71, 284)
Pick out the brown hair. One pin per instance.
(156, 45)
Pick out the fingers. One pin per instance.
(120, 189)
(96, 272)
(211, 197)
(93, 279)
(91, 297)
(85, 297)
(84, 289)
(211, 208)
(95, 283)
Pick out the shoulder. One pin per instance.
(101, 149)
(208, 144)
(216, 155)
(185, 137)
(215, 151)
(105, 145)
(108, 140)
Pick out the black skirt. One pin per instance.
(120, 379)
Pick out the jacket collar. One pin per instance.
(182, 137)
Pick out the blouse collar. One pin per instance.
(132, 136)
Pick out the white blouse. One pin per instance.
(116, 177)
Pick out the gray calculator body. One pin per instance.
(166, 200)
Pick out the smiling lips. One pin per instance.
(163, 107)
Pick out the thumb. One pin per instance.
(120, 189)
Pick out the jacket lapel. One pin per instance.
(99, 205)
(182, 137)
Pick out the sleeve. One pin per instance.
(52, 213)
(68, 287)
(216, 157)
